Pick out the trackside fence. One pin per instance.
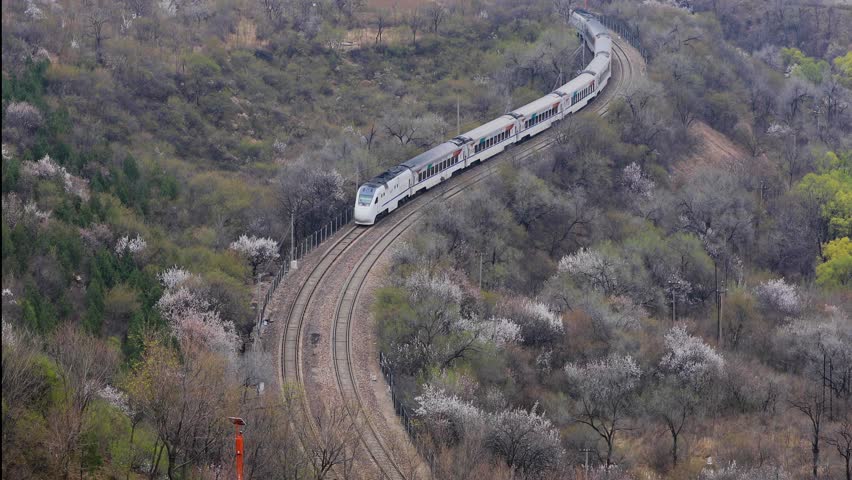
(398, 407)
(308, 244)
(627, 32)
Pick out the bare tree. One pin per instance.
(563, 8)
(841, 439)
(335, 443)
(812, 404)
(85, 365)
(185, 398)
(381, 23)
(604, 391)
(98, 15)
(409, 126)
(437, 13)
(275, 11)
(526, 440)
(140, 8)
(414, 19)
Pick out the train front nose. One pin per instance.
(364, 215)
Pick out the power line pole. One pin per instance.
(722, 292)
(480, 270)
(458, 116)
(292, 239)
(586, 451)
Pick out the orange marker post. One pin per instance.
(238, 444)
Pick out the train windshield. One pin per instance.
(365, 195)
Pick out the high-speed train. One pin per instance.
(388, 190)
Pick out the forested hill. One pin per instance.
(153, 153)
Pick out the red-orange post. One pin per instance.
(238, 444)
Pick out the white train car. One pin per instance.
(387, 191)
(485, 141)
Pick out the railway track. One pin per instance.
(349, 259)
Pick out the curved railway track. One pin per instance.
(365, 246)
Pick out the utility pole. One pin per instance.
(586, 451)
(720, 314)
(238, 444)
(480, 270)
(293, 263)
(458, 116)
(674, 307)
(673, 287)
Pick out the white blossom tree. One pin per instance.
(174, 277)
(499, 331)
(447, 416)
(604, 392)
(809, 344)
(257, 250)
(505, 332)
(22, 115)
(780, 296)
(192, 317)
(46, 167)
(595, 269)
(436, 333)
(636, 183)
(129, 245)
(525, 439)
(538, 323)
(686, 374)
(733, 471)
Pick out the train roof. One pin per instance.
(432, 155)
(603, 45)
(384, 177)
(576, 83)
(583, 13)
(490, 127)
(595, 28)
(597, 65)
(537, 105)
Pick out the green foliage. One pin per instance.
(844, 66)
(11, 174)
(93, 318)
(120, 304)
(28, 85)
(38, 312)
(393, 314)
(836, 271)
(65, 243)
(811, 69)
(8, 246)
(831, 189)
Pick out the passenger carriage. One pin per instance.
(387, 191)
